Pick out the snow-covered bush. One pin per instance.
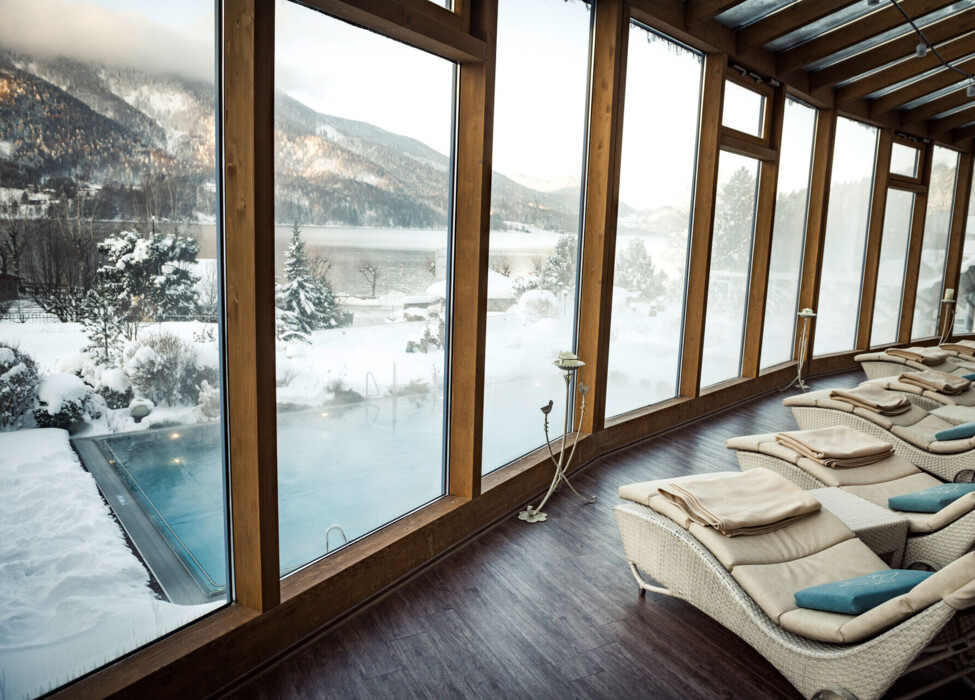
(208, 405)
(18, 383)
(537, 304)
(61, 401)
(166, 369)
(114, 387)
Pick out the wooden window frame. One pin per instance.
(733, 139)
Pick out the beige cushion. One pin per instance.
(816, 624)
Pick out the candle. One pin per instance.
(949, 294)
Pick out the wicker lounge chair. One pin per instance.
(934, 540)
(912, 433)
(881, 364)
(861, 666)
(954, 408)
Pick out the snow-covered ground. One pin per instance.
(72, 595)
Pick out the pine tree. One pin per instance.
(636, 272)
(557, 273)
(102, 324)
(306, 301)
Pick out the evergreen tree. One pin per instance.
(306, 301)
(733, 221)
(636, 272)
(557, 273)
(102, 324)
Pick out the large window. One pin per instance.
(731, 249)
(654, 220)
(363, 134)
(788, 234)
(965, 312)
(113, 526)
(898, 215)
(539, 141)
(934, 250)
(851, 187)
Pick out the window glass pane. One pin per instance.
(893, 263)
(362, 155)
(731, 250)
(654, 221)
(937, 227)
(112, 475)
(539, 139)
(851, 187)
(788, 235)
(965, 312)
(744, 109)
(903, 160)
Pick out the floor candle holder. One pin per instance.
(807, 315)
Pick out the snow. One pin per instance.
(114, 379)
(72, 594)
(499, 287)
(58, 389)
(6, 148)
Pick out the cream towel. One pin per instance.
(964, 347)
(933, 380)
(873, 398)
(741, 503)
(838, 447)
(926, 356)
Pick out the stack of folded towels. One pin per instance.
(926, 356)
(873, 398)
(742, 503)
(933, 380)
(962, 347)
(838, 447)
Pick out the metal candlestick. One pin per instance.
(568, 363)
(949, 317)
(806, 315)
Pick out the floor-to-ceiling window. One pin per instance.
(851, 188)
(113, 527)
(965, 310)
(652, 234)
(789, 232)
(898, 215)
(934, 248)
(541, 90)
(363, 172)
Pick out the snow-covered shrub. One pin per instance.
(18, 383)
(537, 304)
(208, 405)
(166, 369)
(114, 387)
(61, 401)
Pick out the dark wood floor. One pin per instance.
(550, 610)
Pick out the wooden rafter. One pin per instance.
(964, 134)
(914, 117)
(918, 89)
(700, 11)
(787, 20)
(952, 121)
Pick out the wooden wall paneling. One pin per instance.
(762, 244)
(914, 250)
(786, 20)
(875, 232)
(705, 191)
(812, 258)
(956, 239)
(248, 162)
(472, 218)
(602, 201)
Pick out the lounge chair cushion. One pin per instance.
(970, 377)
(956, 432)
(857, 595)
(930, 500)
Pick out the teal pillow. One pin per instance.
(930, 500)
(958, 432)
(857, 595)
(969, 377)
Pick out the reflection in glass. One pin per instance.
(539, 140)
(851, 187)
(731, 250)
(788, 234)
(898, 215)
(744, 109)
(654, 221)
(965, 310)
(934, 250)
(903, 160)
(362, 206)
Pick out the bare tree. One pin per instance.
(369, 270)
(502, 264)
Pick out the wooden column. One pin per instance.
(914, 250)
(248, 162)
(699, 263)
(602, 201)
(762, 245)
(875, 232)
(956, 241)
(475, 129)
(812, 259)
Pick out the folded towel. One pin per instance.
(873, 398)
(933, 380)
(838, 447)
(964, 347)
(741, 503)
(926, 356)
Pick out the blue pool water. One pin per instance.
(359, 466)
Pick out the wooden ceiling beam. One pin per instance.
(787, 20)
(918, 115)
(950, 50)
(918, 89)
(901, 47)
(700, 11)
(952, 121)
(966, 134)
(852, 33)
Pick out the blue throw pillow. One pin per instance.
(930, 500)
(958, 432)
(857, 595)
(969, 377)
